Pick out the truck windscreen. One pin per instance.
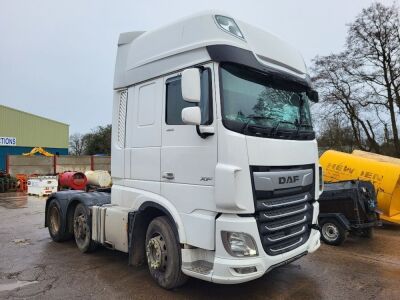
(261, 104)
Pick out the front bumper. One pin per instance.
(224, 268)
(224, 272)
(225, 265)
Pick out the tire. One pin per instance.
(332, 232)
(367, 233)
(54, 223)
(163, 254)
(82, 230)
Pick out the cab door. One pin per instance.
(188, 160)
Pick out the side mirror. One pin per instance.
(191, 115)
(191, 86)
(313, 96)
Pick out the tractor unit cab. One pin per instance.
(214, 158)
(347, 206)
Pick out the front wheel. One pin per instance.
(332, 232)
(164, 254)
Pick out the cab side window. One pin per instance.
(175, 102)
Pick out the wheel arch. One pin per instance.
(338, 217)
(138, 222)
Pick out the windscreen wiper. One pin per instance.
(305, 125)
(251, 118)
(275, 131)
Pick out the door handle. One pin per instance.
(168, 175)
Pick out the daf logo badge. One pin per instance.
(289, 179)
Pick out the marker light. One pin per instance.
(229, 25)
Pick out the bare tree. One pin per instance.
(344, 97)
(76, 144)
(362, 84)
(373, 45)
(98, 141)
(335, 133)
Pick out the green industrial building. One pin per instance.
(21, 131)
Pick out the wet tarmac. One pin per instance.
(33, 266)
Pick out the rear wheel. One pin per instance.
(332, 232)
(54, 222)
(82, 230)
(163, 254)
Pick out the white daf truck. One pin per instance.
(214, 158)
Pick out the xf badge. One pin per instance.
(206, 178)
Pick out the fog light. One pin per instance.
(245, 270)
(239, 244)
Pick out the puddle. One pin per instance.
(9, 286)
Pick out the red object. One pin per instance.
(72, 180)
(22, 182)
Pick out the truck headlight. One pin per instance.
(239, 244)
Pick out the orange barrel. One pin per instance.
(72, 180)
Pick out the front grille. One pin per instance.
(284, 217)
(274, 214)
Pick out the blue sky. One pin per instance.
(57, 57)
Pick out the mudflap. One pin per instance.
(136, 238)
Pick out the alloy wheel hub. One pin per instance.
(54, 216)
(156, 253)
(330, 232)
(80, 227)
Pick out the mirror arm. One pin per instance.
(203, 135)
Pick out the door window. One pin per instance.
(175, 102)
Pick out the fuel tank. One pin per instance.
(72, 180)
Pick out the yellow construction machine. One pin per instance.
(39, 150)
(382, 171)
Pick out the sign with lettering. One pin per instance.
(8, 141)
